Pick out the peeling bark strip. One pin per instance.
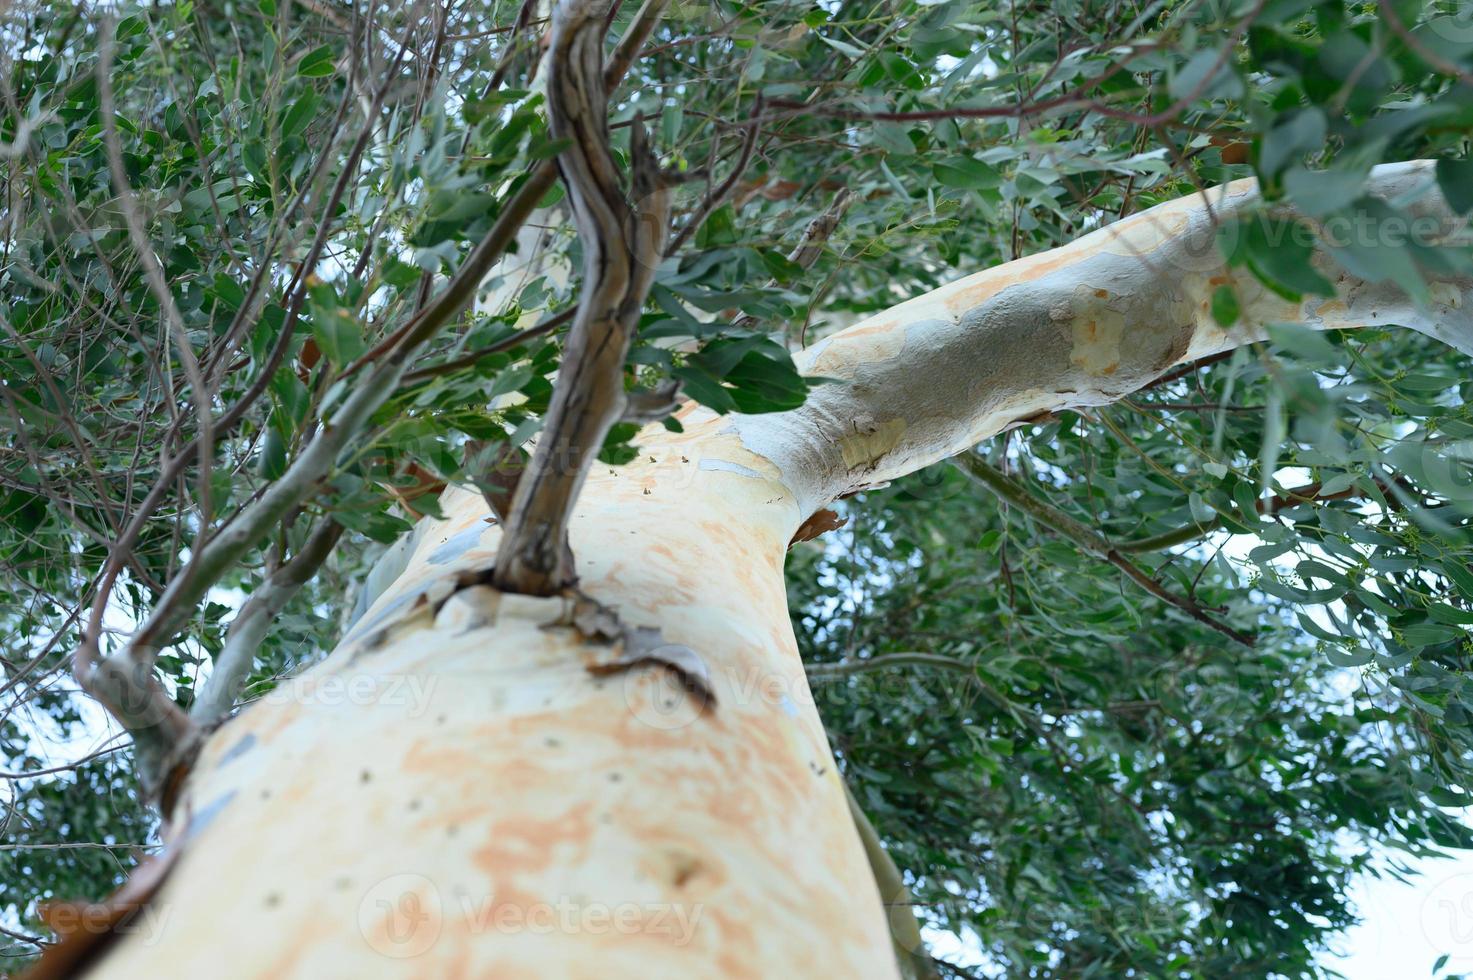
(638, 646)
(822, 521)
(622, 244)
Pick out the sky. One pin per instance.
(1405, 927)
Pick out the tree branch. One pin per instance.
(1082, 325)
(721, 192)
(639, 31)
(1091, 541)
(909, 658)
(515, 340)
(905, 932)
(1309, 493)
(622, 244)
(810, 246)
(123, 681)
(254, 621)
(154, 273)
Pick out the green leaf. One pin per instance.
(130, 27)
(301, 111)
(843, 47)
(1321, 192)
(1206, 75)
(271, 460)
(616, 450)
(1303, 342)
(1225, 310)
(718, 229)
(1302, 133)
(1374, 243)
(965, 172)
(1279, 253)
(317, 63)
(337, 330)
(1455, 178)
(1457, 570)
(1348, 658)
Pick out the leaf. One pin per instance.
(1455, 178)
(718, 229)
(271, 460)
(843, 47)
(296, 117)
(1303, 342)
(1225, 310)
(129, 27)
(965, 172)
(1348, 658)
(616, 450)
(317, 63)
(1206, 75)
(1457, 570)
(705, 389)
(1279, 253)
(1321, 192)
(1373, 243)
(336, 330)
(894, 137)
(1303, 133)
(1275, 428)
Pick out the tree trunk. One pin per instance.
(471, 786)
(478, 791)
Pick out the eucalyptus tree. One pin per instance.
(546, 304)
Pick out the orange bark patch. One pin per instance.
(518, 846)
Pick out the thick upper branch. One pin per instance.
(1084, 324)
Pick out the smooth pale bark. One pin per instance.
(457, 794)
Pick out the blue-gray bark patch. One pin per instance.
(240, 748)
(205, 815)
(456, 546)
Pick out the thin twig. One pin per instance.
(508, 343)
(718, 195)
(254, 621)
(154, 273)
(1005, 487)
